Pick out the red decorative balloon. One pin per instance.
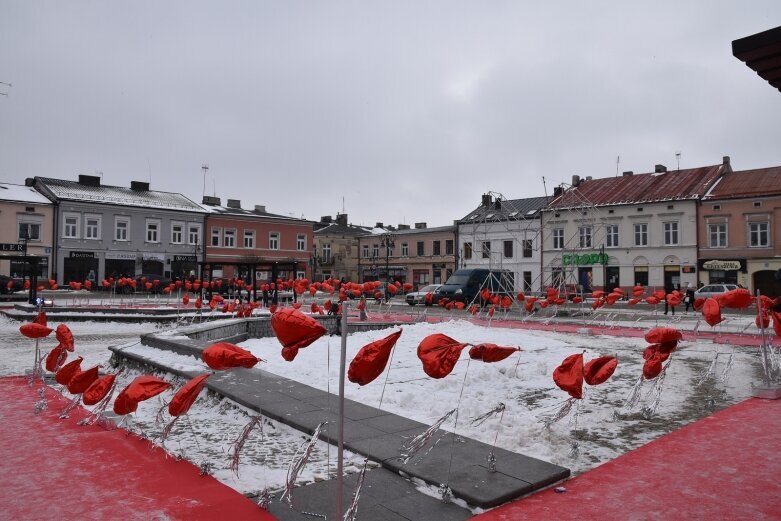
(371, 359)
(140, 389)
(712, 312)
(40, 318)
(98, 390)
(663, 334)
(55, 358)
(68, 371)
(33, 330)
(739, 298)
(186, 396)
(65, 337)
(294, 330)
(491, 352)
(569, 375)
(82, 380)
(223, 355)
(598, 370)
(652, 367)
(439, 354)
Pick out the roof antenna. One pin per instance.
(205, 169)
(678, 158)
(149, 169)
(342, 204)
(618, 160)
(7, 85)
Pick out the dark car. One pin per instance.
(465, 284)
(17, 284)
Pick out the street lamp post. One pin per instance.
(388, 241)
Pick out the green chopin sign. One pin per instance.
(587, 258)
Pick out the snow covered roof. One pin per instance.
(335, 228)
(95, 192)
(411, 231)
(22, 194)
(258, 211)
(509, 209)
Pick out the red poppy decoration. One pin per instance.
(712, 312)
(673, 299)
(33, 330)
(633, 301)
(598, 370)
(223, 355)
(577, 300)
(186, 299)
(82, 380)
(294, 330)
(520, 297)
(439, 354)
(66, 372)
(142, 388)
(698, 303)
(186, 396)
(739, 298)
(65, 337)
(638, 291)
(98, 389)
(491, 352)
(57, 356)
(41, 319)
(663, 334)
(569, 375)
(652, 300)
(660, 294)
(652, 367)
(371, 359)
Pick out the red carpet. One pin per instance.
(721, 467)
(55, 469)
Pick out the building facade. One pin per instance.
(504, 234)
(245, 243)
(109, 231)
(418, 255)
(627, 230)
(335, 252)
(740, 231)
(26, 226)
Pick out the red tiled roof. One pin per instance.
(748, 183)
(692, 183)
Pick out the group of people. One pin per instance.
(688, 298)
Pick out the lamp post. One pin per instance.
(314, 260)
(388, 241)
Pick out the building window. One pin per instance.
(467, 250)
(121, 228)
(92, 227)
(449, 247)
(301, 242)
(404, 249)
(508, 249)
(527, 248)
(30, 231)
(437, 247)
(375, 250)
(612, 236)
(641, 275)
(421, 248)
(249, 239)
(365, 251)
(485, 248)
(70, 229)
(671, 233)
(216, 236)
(641, 234)
(717, 235)
(758, 236)
(273, 241)
(757, 204)
(558, 238)
(193, 234)
(584, 234)
(152, 230)
(229, 237)
(527, 281)
(717, 207)
(326, 252)
(177, 233)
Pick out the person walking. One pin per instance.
(668, 293)
(689, 299)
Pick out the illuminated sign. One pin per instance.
(586, 258)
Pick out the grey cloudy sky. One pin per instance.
(407, 110)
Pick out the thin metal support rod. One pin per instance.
(765, 358)
(340, 451)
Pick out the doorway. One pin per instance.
(613, 281)
(672, 278)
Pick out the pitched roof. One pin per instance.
(335, 228)
(62, 189)
(21, 194)
(510, 209)
(227, 211)
(747, 183)
(408, 231)
(689, 184)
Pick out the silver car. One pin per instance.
(714, 290)
(419, 297)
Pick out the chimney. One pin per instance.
(30, 181)
(341, 219)
(498, 204)
(211, 201)
(486, 200)
(404, 227)
(589, 178)
(89, 180)
(234, 203)
(139, 186)
(575, 180)
(324, 219)
(628, 173)
(260, 208)
(379, 225)
(421, 226)
(557, 191)
(725, 161)
(660, 169)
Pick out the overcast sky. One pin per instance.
(407, 111)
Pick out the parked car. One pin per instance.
(464, 285)
(419, 297)
(17, 284)
(713, 290)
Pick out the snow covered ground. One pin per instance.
(523, 382)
